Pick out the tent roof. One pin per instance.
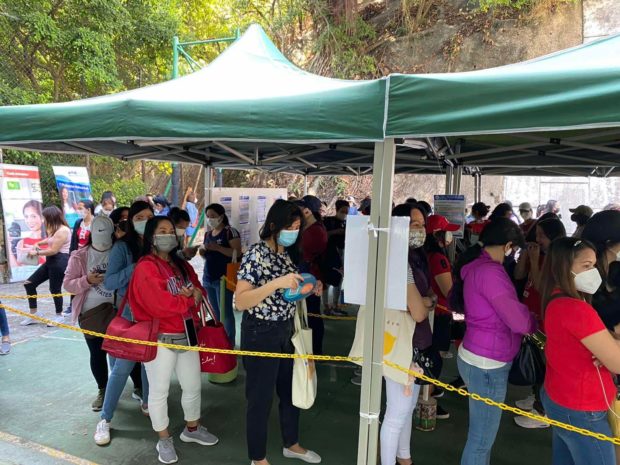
(251, 108)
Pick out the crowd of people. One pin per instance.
(513, 273)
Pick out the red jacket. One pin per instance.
(313, 247)
(149, 297)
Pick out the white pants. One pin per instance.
(159, 372)
(397, 422)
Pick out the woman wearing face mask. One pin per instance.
(577, 390)
(123, 258)
(220, 243)
(120, 218)
(55, 249)
(530, 266)
(93, 304)
(313, 246)
(439, 236)
(81, 230)
(266, 271)
(496, 323)
(165, 287)
(334, 258)
(401, 400)
(107, 204)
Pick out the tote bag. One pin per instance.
(397, 347)
(213, 335)
(304, 370)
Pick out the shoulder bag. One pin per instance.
(213, 335)
(304, 370)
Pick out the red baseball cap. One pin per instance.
(436, 223)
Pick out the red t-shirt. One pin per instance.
(313, 247)
(439, 264)
(572, 380)
(83, 234)
(532, 298)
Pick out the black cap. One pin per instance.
(603, 228)
(310, 202)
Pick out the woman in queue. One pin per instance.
(401, 400)
(82, 227)
(121, 263)
(220, 244)
(266, 271)
(93, 304)
(55, 249)
(173, 298)
(496, 323)
(581, 355)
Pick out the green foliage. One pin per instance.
(125, 190)
(486, 5)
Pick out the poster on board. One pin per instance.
(73, 185)
(23, 219)
(226, 202)
(356, 262)
(453, 208)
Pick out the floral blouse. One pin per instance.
(261, 265)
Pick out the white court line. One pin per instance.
(57, 454)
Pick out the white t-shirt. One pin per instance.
(97, 262)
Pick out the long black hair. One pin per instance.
(220, 210)
(552, 228)
(500, 211)
(281, 215)
(148, 243)
(132, 238)
(500, 231)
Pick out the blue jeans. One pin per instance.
(572, 448)
(214, 293)
(120, 370)
(483, 419)
(4, 323)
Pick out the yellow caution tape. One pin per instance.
(329, 358)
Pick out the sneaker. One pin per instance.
(56, 319)
(67, 311)
(167, 454)
(137, 395)
(527, 403)
(102, 434)
(5, 347)
(144, 408)
(308, 457)
(438, 392)
(28, 321)
(458, 383)
(357, 380)
(529, 423)
(442, 414)
(200, 436)
(97, 404)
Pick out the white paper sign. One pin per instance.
(356, 261)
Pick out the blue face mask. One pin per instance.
(288, 238)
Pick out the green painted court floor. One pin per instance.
(45, 418)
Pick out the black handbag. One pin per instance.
(423, 359)
(528, 367)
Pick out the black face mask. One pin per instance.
(122, 225)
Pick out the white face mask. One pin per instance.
(417, 237)
(165, 242)
(214, 222)
(588, 281)
(449, 237)
(139, 226)
(180, 232)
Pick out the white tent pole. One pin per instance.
(305, 184)
(380, 217)
(208, 184)
(456, 182)
(449, 175)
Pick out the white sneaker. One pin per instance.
(56, 319)
(527, 403)
(529, 423)
(308, 457)
(102, 434)
(28, 321)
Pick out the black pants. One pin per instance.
(316, 324)
(263, 375)
(54, 270)
(442, 332)
(98, 361)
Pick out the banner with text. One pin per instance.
(73, 185)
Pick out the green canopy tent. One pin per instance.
(252, 109)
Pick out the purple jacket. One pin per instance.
(496, 320)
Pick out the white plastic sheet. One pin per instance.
(356, 261)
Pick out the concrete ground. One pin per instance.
(45, 418)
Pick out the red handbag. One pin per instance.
(141, 330)
(213, 335)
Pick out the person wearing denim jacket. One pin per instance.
(496, 323)
(121, 264)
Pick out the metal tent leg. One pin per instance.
(449, 176)
(456, 182)
(370, 403)
(208, 184)
(305, 184)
